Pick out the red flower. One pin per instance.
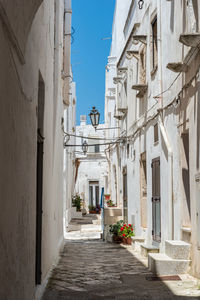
(129, 225)
(124, 234)
(122, 228)
(131, 229)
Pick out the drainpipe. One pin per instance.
(163, 129)
(67, 51)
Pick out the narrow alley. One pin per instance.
(92, 269)
(100, 149)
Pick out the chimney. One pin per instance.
(83, 120)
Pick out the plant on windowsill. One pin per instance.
(76, 202)
(126, 232)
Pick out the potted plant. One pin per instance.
(76, 202)
(107, 196)
(110, 203)
(91, 209)
(126, 232)
(115, 231)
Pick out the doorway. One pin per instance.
(185, 174)
(143, 190)
(156, 200)
(39, 179)
(93, 193)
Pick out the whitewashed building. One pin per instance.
(92, 167)
(152, 92)
(34, 89)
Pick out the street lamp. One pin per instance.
(94, 117)
(140, 4)
(85, 147)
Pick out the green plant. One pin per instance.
(91, 207)
(115, 228)
(76, 202)
(110, 203)
(126, 231)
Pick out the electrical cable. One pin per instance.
(93, 144)
(89, 138)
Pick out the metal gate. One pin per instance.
(156, 201)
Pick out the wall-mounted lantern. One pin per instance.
(85, 147)
(94, 117)
(140, 4)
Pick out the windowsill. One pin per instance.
(186, 229)
(154, 70)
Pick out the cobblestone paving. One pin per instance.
(92, 270)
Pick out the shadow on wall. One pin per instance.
(197, 109)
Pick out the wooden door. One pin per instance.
(156, 200)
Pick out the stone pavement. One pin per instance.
(92, 270)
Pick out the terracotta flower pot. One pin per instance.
(129, 241)
(107, 197)
(124, 240)
(117, 239)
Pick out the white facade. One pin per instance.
(158, 113)
(92, 168)
(31, 155)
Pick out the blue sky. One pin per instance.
(92, 21)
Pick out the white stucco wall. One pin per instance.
(18, 154)
(138, 125)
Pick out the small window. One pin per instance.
(128, 146)
(154, 45)
(96, 149)
(156, 133)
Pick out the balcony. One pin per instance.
(177, 67)
(190, 39)
(131, 53)
(123, 110)
(141, 88)
(117, 80)
(121, 71)
(118, 117)
(140, 38)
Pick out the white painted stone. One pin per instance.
(161, 264)
(177, 249)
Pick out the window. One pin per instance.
(154, 44)
(156, 133)
(96, 149)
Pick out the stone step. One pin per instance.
(94, 216)
(161, 264)
(73, 227)
(136, 242)
(78, 235)
(177, 249)
(146, 249)
(96, 222)
(90, 228)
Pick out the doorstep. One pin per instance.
(146, 249)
